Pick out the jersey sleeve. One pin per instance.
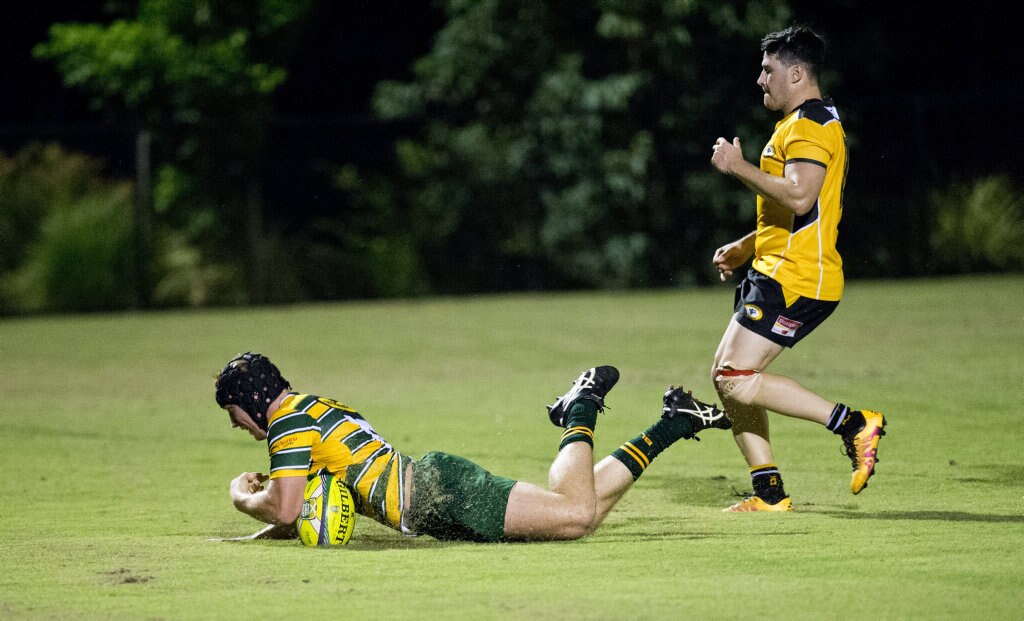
(290, 440)
(809, 142)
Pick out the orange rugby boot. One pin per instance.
(754, 503)
(862, 449)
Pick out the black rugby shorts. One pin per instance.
(760, 307)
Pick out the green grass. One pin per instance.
(115, 461)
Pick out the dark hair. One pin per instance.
(252, 382)
(796, 45)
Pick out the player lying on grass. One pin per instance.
(441, 495)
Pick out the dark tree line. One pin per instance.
(529, 146)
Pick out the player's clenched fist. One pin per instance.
(247, 483)
(725, 155)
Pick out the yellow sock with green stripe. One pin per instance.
(580, 423)
(639, 452)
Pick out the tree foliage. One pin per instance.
(65, 233)
(567, 144)
(198, 76)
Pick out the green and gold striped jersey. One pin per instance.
(309, 433)
(799, 252)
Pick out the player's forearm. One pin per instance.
(736, 253)
(746, 243)
(263, 506)
(780, 190)
(255, 506)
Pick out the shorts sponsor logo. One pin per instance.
(769, 151)
(753, 312)
(786, 327)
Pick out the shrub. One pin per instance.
(185, 279)
(82, 258)
(38, 178)
(65, 233)
(978, 226)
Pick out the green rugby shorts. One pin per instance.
(455, 499)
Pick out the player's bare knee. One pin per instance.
(569, 530)
(579, 521)
(739, 385)
(574, 531)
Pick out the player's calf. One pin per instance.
(682, 417)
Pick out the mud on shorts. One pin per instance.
(761, 308)
(455, 499)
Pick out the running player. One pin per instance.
(796, 278)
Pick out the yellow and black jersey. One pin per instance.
(309, 433)
(799, 252)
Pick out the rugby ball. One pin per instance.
(328, 512)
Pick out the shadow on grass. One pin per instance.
(714, 491)
(1002, 475)
(938, 516)
(634, 537)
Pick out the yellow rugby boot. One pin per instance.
(754, 503)
(862, 449)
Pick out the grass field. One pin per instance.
(115, 461)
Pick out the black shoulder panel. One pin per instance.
(816, 110)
